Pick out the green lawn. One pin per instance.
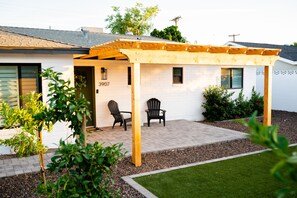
(241, 177)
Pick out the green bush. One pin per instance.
(243, 107)
(25, 142)
(218, 104)
(86, 171)
(257, 102)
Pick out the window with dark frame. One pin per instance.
(129, 75)
(18, 80)
(232, 78)
(177, 75)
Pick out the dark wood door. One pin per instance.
(85, 75)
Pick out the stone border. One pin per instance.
(146, 193)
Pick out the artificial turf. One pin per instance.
(247, 176)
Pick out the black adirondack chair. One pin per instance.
(154, 111)
(118, 115)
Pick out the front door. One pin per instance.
(85, 75)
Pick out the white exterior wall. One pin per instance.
(59, 63)
(181, 101)
(284, 79)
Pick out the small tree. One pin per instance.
(86, 167)
(135, 20)
(64, 105)
(170, 33)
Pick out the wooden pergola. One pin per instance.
(137, 52)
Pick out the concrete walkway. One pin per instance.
(176, 134)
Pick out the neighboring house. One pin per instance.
(284, 78)
(129, 70)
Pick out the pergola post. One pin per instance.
(267, 95)
(136, 128)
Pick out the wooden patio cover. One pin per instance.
(137, 52)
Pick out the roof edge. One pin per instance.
(45, 50)
(285, 60)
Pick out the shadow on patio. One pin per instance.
(176, 134)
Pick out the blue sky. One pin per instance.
(203, 21)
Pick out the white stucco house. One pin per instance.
(127, 69)
(284, 76)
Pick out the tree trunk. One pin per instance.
(84, 129)
(41, 158)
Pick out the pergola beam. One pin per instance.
(93, 62)
(196, 58)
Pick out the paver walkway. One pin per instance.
(176, 134)
(16, 166)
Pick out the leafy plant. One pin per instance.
(64, 105)
(86, 171)
(25, 142)
(243, 106)
(218, 104)
(257, 102)
(286, 169)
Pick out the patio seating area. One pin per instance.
(176, 134)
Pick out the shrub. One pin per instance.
(257, 102)
(218, 104)
(86, 171)
(243, 107)
(25, 142)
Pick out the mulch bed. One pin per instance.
(23, 185)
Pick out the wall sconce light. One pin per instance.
(103, 73)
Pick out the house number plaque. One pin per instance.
(103, 84)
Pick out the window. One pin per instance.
(129, 75)
(177, 75)
(18, 80)
(232, 78)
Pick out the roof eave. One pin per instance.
(20, 50)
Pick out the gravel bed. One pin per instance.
(23, 185)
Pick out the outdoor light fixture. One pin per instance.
(103, 73)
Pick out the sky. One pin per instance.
(207, 22)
